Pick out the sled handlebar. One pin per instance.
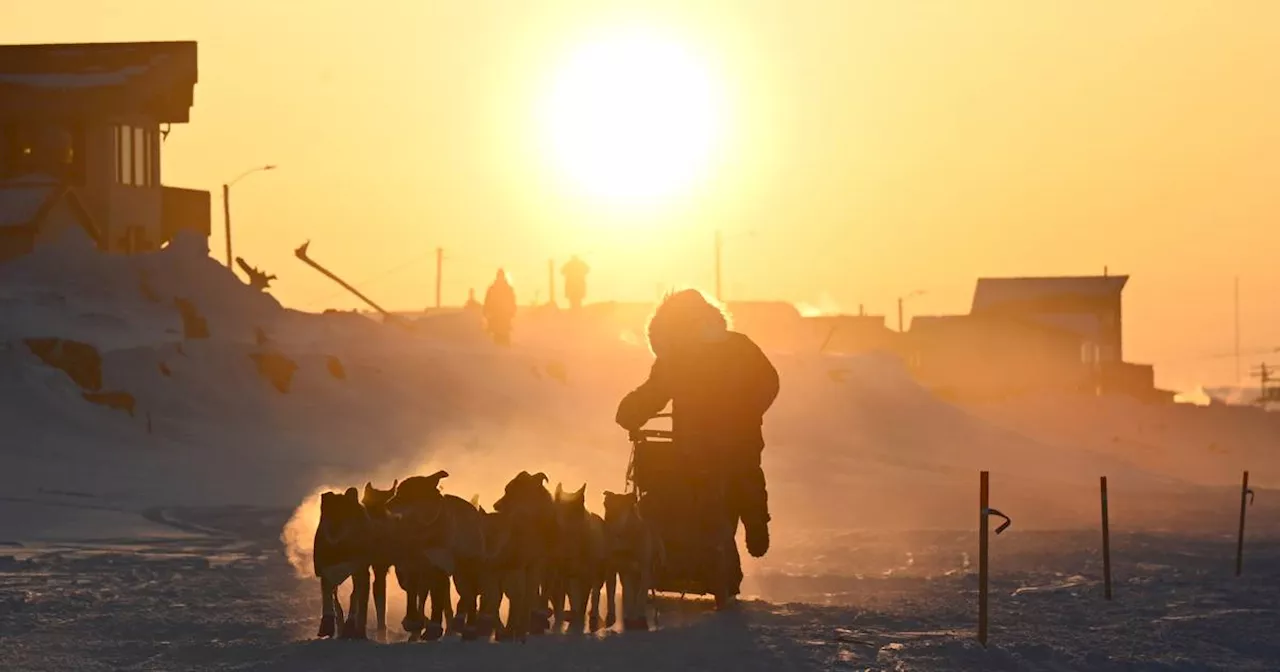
(643, 434)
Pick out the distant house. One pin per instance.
(1088, 306)
(1022, 335)
(981, 356)
(81, 132)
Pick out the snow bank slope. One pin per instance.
(852, 441)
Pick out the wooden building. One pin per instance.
(82, 127)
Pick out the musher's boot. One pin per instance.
(727, 602)
(757, 538)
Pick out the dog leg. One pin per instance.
(580, 591)
(556, 589)
(327, 616)
(628, 597)
(593, 617)
(519, 596)
(358, 611)
(380, 601)
(439, 603)
(361, 586)
(611, 598)
(466, 582)
(413, 621)
(490, 604)
(538, 617)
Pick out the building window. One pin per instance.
(134, 149)
(42, 148)
(124, 154)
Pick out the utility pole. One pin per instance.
(1268, 392)
(901, 300)
(439, 274)
(719, 245)
(226, 218)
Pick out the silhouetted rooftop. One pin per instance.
(993, 292)
(43, 81)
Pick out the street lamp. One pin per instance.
(226, 202)
(901, 299)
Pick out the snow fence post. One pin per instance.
(1106, 542)
(1246, 498)
(985, 513)
(983, 500)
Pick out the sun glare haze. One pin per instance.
(825, 334)
(632, 117)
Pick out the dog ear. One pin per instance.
(559, 491)
(609, 495)
(542, 478)
(581, 493)
(368, 485)
(352, 494)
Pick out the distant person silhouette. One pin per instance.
(719, 384)
(575, 281)
(500, 308)
(472, 303)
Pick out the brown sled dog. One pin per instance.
(528, 511)
(341, 551)
(578, 564)
(440, 537)
(634, 551)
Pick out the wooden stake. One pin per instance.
(1244, 498)
(983, 502)
(1106, 541)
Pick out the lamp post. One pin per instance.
(902, 299)
(226, 202)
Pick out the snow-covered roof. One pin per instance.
(20, 203)
(71, 80)
(992, 292)
(155, 79)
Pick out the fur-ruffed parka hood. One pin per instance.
(684, 318)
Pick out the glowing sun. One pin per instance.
(632, 119)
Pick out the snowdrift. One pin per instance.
(853, 442)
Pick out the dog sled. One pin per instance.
(682, 496)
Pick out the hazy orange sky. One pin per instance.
(875, 148)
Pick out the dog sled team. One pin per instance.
(674, 530)
(536, 549)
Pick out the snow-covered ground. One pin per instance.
(176, 538)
